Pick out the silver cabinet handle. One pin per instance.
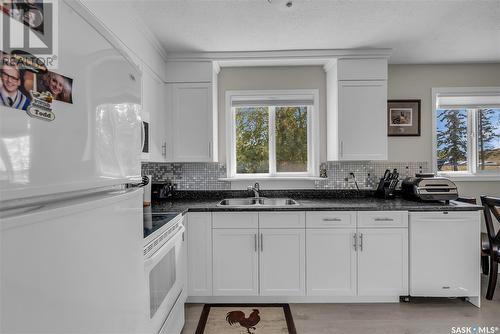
(209, 149)
(384, 219)
(332, 219)
(261, 242)
(361, 241)
(355, 242)
(255, 241)
(341, 148)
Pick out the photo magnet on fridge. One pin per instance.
(16, 82)
(59, 86)
(26, 85)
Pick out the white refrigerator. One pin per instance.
(71, 235)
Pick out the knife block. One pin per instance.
(384, 190)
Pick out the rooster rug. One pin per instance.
(246, 319)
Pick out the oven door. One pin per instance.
(165, 274)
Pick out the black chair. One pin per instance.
(485, 244)
(492, 209)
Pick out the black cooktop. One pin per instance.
(154, 221)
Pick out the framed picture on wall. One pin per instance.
(403, 118)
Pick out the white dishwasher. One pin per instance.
(445, 254)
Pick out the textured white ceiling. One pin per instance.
(418, 31)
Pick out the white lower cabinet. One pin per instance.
(236, 262)
(333, 256)
(251, 261)
(331, 262)
(382, 261)
(199, 253)
(282, 262)
(358, 257)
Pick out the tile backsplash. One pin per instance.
(366, 173)
(205, 176)
(189, 175)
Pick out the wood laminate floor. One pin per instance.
(421, 316)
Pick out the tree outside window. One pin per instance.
(464, 135)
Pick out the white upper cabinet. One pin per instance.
(357, 109)
(192, 121)
(153, 105)
(192, 107)
(362, 125)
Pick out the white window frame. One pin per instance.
(472, 151)
(312, 132)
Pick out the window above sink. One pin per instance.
(272, 134)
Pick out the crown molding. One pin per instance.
(330, 64)
(150, 36)
(280, 54)
(216, 67)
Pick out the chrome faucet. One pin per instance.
(255, 189)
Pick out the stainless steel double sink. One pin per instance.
(257, 201)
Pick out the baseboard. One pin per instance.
(292, 299)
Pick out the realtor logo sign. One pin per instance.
(30, 26)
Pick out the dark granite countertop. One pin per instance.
(365, 202)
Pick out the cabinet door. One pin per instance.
(192, 122)
(282, 262)
(199, 253)
(383, 262)
(362, 120)
(444, 254)
(331, 262)
(154, 105)
(235, 262)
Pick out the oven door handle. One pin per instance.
(163, 250)
(143, 136)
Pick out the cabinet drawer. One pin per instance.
(327, 219)
(235, 220)
(383, 219)
(291, 219)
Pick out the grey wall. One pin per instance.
(416, 82)
(405, 82)
(281, 77)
